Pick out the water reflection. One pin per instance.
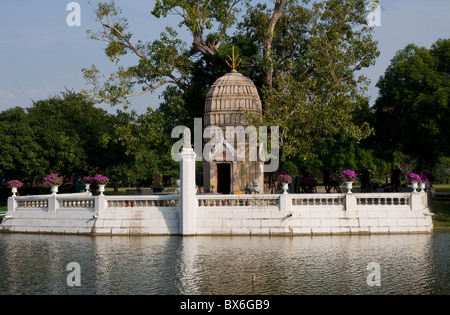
(410, 264)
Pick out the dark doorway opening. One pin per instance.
(223, 178)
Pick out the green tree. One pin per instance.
(303, 58)
(413, 101)
(144, 147)
(316, 54)
(165, 61)
(22, 157)
(69, 129)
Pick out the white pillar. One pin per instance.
(52, 203)
(188, 200)
(12, 204)
(350, 202)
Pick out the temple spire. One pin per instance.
(235, 61)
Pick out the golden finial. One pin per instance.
(235, 61)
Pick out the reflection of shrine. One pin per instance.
(229, 99)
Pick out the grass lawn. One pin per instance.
(441, 208)
(442, 188)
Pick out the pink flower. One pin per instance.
(414, 178)
(88, 180)
(14, 183)
(284, 178)
(101, 180)
(53, 180)
(348, 175)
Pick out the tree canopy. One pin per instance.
(68, 135)
(303, 57)
(414, 95)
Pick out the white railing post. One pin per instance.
(350, 202)
(188, 199)
(52, 203)
(285, 202)
(12, 204)
(416, 201)
(100, 204)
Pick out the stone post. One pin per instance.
(188, 200)
(416, 201)
(52, 203)
(350, 203)
(100, 204)
(285, 202)
(12, 204)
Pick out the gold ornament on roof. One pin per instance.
(235, 61)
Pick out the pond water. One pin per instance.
(404, 264)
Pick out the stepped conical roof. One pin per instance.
(229, 98)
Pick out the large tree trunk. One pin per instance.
(277, 13)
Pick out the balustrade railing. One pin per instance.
(77, 203)
(318, 200)
(32, 203)
(143, 202)
(394, 199)
(238, 200)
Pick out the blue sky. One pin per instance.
(40, 55)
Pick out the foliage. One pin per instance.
(315, 91)
(165, 61)
(88, 180)
(308, 182)
(442, 170)
(200, 16)
(69, 130)
(311, 52)
(289, 167)
(67, 134)
(21, 154)
(146, 146)
(413, 102)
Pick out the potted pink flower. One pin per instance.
(53, 181)
(285, 181)
(349, 177)
(102, 181)
(14, 185)
(423, 181)
(87, 180)
(414, 179)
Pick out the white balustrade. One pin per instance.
(238, 200)
(386, 199)
(77, 203)
(143, 201)
(30, 203)
(318, 199)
